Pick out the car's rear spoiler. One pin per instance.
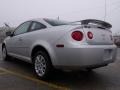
(98, 22)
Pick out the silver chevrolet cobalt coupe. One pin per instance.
(53, 44)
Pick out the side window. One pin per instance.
(22, 28)
(37, 26)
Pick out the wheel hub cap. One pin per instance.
(40, 65)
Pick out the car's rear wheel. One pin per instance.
(42, 65)
(89, 69)
(4, 53)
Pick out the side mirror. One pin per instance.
(9, 33)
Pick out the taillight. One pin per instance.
(77, 35)
(90, 35)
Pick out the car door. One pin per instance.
(16, 43)
(30, 37)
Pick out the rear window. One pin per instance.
(56, 22)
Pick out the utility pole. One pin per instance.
(105, 10)
(58, 18)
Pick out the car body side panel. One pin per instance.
(43, 37)
(47, 46)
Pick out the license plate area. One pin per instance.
(107, 54)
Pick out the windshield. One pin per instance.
(56, 22)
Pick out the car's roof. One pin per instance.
(41, 19)
(37, 19)
(50, 22)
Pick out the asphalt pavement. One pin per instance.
(18, 75)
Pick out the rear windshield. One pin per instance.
(56, 22)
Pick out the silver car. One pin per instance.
(49, 44)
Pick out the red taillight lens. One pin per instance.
(90, 35)
(77, 35)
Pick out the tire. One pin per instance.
(89, 69)
(4, 54)
(42, 65)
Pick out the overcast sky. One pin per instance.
(15, 12)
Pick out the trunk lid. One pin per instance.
(102, 34)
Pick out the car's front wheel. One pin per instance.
(4, 53)
(42, 64)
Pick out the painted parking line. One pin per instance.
(3, 73)
(34, 79)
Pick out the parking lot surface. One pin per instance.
(18, 75)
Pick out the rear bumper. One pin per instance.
(85, 56)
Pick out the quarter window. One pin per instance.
(37, 26)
